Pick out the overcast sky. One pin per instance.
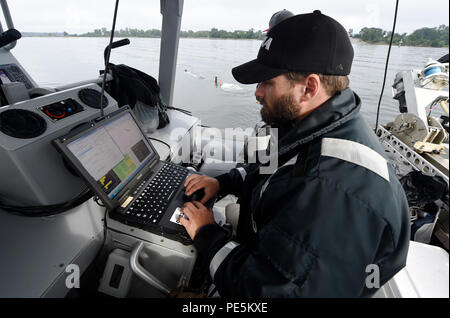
(80, 16)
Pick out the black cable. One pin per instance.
(48, 210)
(163, 142)
(387, 63)
(107, 59)
(187, 112)
(96, 199)
(105, 235)
(105, 224)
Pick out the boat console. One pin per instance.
(35, 177)
(36, 172)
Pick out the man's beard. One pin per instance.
(283, 111)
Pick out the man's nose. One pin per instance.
(259, 93)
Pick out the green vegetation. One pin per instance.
(434, 37)
(103, 32)
(222, 34)
(213, 33)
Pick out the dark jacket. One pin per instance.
(333, 208)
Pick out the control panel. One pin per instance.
(62, 109)
(12, 73)
(34, 173)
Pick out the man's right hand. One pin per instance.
(195, 182)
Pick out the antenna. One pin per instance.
(108, 48)
(386, 67)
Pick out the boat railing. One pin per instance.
(9, 23)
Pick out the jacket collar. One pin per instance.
(339, 109)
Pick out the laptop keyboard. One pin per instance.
(152, 203)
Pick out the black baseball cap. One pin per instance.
(277, 17)
(310, 43)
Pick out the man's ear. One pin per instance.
(311, 87)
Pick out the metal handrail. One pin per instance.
(9, 23)
(141, 272)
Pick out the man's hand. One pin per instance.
(198, 216)
(195, 182)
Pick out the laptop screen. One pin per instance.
(113, 153)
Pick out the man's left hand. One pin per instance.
(198, 215)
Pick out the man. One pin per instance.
(277, 17)
(332, 220)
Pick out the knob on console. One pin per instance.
(21, 123)
(91, 97)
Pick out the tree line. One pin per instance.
(154, 33)
(432, 37)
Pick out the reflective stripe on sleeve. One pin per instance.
(357, 154)
(220, 256)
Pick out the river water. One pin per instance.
(57, 61)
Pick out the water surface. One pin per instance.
(57, 61)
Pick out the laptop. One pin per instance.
(124, 170)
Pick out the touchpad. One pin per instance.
(176, 215)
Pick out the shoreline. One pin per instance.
(358, 41)
(353, 40)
